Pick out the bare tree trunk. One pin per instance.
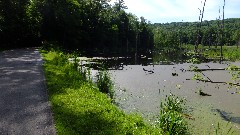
(222, 35)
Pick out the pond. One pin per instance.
(141, 84)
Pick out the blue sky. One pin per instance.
(163, 11)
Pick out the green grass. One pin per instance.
(104, 83)
(80, 108)
(231, 53)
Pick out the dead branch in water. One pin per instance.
(212, 69)
(233, 84)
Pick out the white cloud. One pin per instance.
(187, 10)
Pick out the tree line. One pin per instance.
(88, 25)
(101, 26)
(173, 35)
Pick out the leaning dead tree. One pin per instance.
(222, 35)
(199, 26)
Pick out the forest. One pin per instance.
(98, 26)
(211, 33)
(87, 25)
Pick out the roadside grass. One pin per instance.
(80, 108)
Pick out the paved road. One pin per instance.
(24, 106)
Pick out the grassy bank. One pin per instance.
(231, 53)
(80, 108)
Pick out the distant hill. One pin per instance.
(210, 32)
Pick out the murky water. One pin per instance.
(141, 88)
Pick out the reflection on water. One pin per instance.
(227, 116)
(143, 82)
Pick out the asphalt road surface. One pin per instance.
(24, 106)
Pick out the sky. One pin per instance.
(163, 11)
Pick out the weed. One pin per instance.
(171, 119)
(194, 57)
(194, 60)
(219, 130)
(75, 60)
(194, 68)
(235, 73)
(198, 77)
(104, 83)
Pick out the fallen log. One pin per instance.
(233, 84)
(212, 69)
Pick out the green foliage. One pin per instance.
(94, 25)
(230, 53)
(194, 57)
(89, 24)
(34, 17)
(176, 34)
(104, 83)
(235, 73)
(232, 68)
(80, 108)
(199, 77)
(19, 23)
(194, 68)
(194, 60)
(171, 119)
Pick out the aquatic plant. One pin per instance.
(194, 60)
(194, 68)
(198, 77)
(104, 83)
(193, 57)
(220, 131)
(75, 60)
(235, 73)
(171, 118)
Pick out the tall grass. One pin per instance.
(230, 53)
(79, 108)
(104, 83)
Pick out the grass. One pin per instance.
(104, 83)
(230, 53)
(79, 108)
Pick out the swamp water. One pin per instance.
(141, 87)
